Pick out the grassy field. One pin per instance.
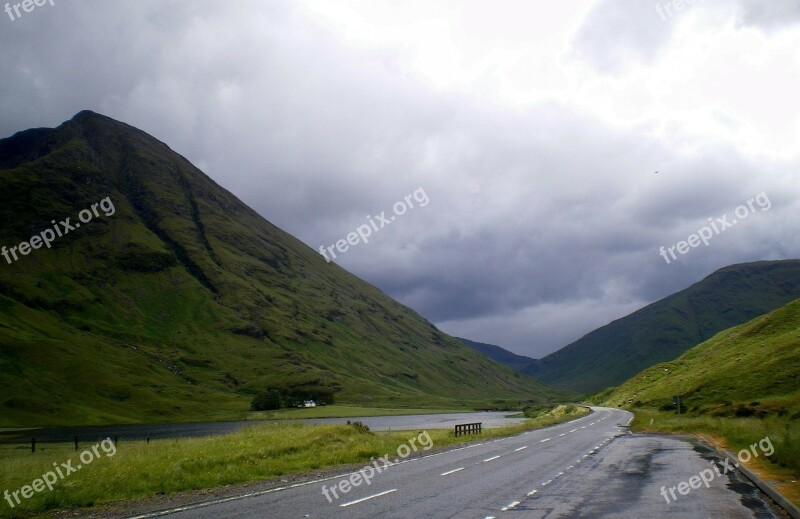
(735, 434)
(142, 470)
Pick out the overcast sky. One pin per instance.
(560, 144)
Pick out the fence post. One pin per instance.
(33, 445)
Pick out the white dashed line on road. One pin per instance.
(521, 448)
(451, 471)
(490, 459)
(345, 505)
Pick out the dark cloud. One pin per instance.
(544, 219)
(769, 14)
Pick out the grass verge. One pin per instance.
(141, 470)
(782, 469)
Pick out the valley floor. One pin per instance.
(272, 452)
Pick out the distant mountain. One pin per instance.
(667, 328)
(512, 360)
(181, 303)
(749, 370)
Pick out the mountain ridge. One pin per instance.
(663, 330)
(500, 354)
(187, 302)
(710, 377)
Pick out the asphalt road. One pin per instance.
(589, 468)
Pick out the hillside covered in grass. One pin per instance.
(749, 370)
(666, 329)
(182, 303)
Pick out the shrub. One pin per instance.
(533, 411)
(266, 401)
(360, 427)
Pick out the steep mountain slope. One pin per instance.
(749, 370)
(665, 329)
(502, 355)
(182, 302)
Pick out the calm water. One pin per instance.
(187, 430)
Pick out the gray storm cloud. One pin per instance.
(545, 218)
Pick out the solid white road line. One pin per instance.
(345, 505)
(451, 471)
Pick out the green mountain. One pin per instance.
(501, 355)
(750, 370)
(667, 328)
(172, 300)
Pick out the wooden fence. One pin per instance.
(469, 428)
